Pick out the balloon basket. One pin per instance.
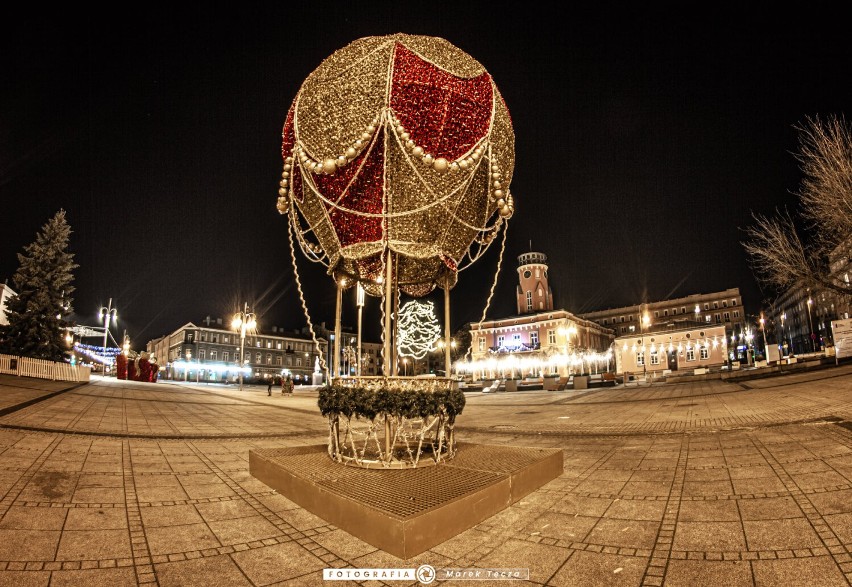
(391, 422)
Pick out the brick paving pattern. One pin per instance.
(703, 483)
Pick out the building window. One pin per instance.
(706, 306)
(529, 301)
(683, 310)
(500, 340)
(551, 337)
(604, 321)
(225, 356)
(534, 338)
(707, 317)
(268, 359)
(718, 318)
(269, 344)
(258, 358)
(298, 361)
(640, 358)
(690, 354)
(715, 305)
(733, 302)
(201, 354)
(632, 329)
(278, 360)
(656, 314)
(213, 355)
(724, 303)
(655, 358)
(704, 354)
(481, 343)
(289, 361)
(516, 340)
(665, 313)
(278, 345)
(727, 316)
(623, 330)
(736, 313)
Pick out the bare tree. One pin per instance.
(780, 257)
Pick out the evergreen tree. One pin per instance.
(43, 281)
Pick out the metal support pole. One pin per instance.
(337, 315)
(360, 301)
(386, 367)
(447, 341)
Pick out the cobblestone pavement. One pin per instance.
(704, 483)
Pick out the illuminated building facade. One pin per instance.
(719, 308)
(211, 352)
(6, 292)
(539, 340)
(669, 347)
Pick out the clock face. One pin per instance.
(527, 274)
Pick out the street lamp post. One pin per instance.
(646, 321)
(106, 313)
(783, 333)
(811, 325)
(765, 348)
(243, 321)
(186, 368)
(748, 339)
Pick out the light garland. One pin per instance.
(418, 329)
(98, 353)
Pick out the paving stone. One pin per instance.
(581, 526)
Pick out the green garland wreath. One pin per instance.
(365, 403)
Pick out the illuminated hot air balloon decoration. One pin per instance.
(398, 155)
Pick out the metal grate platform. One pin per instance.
(407, 511)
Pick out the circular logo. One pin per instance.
(425, 574)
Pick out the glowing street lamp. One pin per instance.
(243, 321)
(186, 368)
(811, 325)
(748, 337)
(783, 332)
(106, 313)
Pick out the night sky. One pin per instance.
(644, 140)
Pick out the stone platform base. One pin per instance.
(407, 511)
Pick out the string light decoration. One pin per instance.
(418, 329)
(398, 143)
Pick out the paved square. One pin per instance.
(703, 483)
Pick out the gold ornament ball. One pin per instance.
(329, 166)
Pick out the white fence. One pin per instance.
(26, 367)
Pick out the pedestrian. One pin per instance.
(287, 386)
(269, 388)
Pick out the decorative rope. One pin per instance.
(493, 287)
(323, 365)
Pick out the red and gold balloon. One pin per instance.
(399, 143)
